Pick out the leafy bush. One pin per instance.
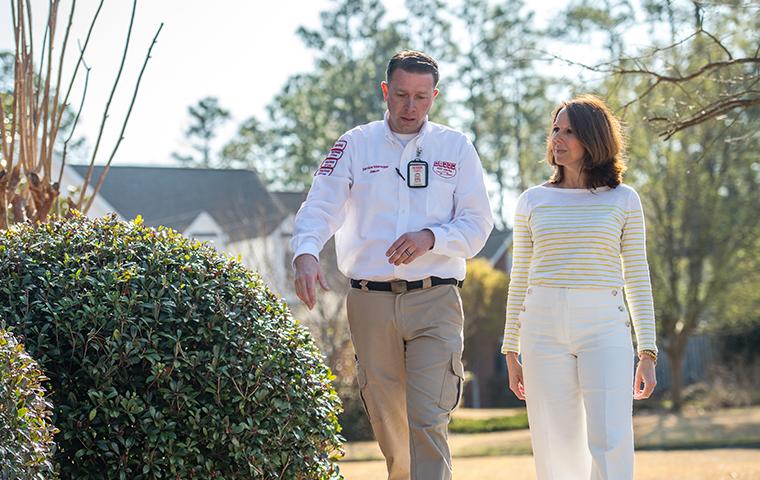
(26, 434)
(165, 358)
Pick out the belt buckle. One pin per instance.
(398, 286)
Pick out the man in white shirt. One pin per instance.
(407, 203)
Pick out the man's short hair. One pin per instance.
(412, 61)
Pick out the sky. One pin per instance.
(204, 49)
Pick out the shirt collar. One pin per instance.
(392, 138)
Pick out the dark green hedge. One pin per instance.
(26, 434)
(166, 359)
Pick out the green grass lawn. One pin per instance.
(515, 421)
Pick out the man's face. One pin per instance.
(409, 97)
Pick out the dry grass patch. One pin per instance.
(722, 428)
(485, 413)
(673, 465)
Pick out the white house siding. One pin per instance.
(270, 256)
(205, 228)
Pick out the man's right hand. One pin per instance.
(308, 273)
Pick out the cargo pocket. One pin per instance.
(453, 381)
(362, 377)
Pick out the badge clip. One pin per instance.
(417, 172)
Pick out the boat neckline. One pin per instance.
(577, 190)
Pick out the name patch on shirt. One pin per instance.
(331, 160)
(374, 168)
(445, 169)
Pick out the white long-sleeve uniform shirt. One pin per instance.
(358, 196)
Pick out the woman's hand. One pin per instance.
(646, 380)
(515, 375)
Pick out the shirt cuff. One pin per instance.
(439, 240)
(645, 346)
(308, 248)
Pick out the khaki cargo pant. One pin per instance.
(409, 353)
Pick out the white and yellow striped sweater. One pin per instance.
(576, 238)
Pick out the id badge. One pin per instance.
(417, 174)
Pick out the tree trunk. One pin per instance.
(3, 201)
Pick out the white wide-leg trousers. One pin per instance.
(577, 359)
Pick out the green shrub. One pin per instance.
(165, 358)
(26, 434)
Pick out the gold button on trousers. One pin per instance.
(409, 352)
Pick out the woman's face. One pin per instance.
(567, 149)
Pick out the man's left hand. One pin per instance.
(410, 246)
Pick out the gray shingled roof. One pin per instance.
(174, 197)
(290, 200)
(494, 243)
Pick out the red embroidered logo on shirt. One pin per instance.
(331, 160)
(445, 169)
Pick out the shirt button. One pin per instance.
(523, 308)
(628, 324)
(530, 290)
(621, 308)
(614, 292)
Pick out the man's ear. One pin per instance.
(384, 88)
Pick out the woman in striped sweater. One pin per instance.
(579, 243)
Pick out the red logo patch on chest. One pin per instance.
(445, 169)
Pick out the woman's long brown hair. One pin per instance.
(601, 135)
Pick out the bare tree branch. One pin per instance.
(684, 78)
(30, 121)
(80, 60)
(56, 124)
(42, 65)
(745, 99)
(714, 110)
(124, 125)
(719, 43)
(52, 21)
(3, 134)
(88, 177)
(74, 125)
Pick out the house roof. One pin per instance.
(174, 197)
(290, 200)
(495, 245)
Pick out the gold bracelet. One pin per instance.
(649, 353)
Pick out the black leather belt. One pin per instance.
(401, 286)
